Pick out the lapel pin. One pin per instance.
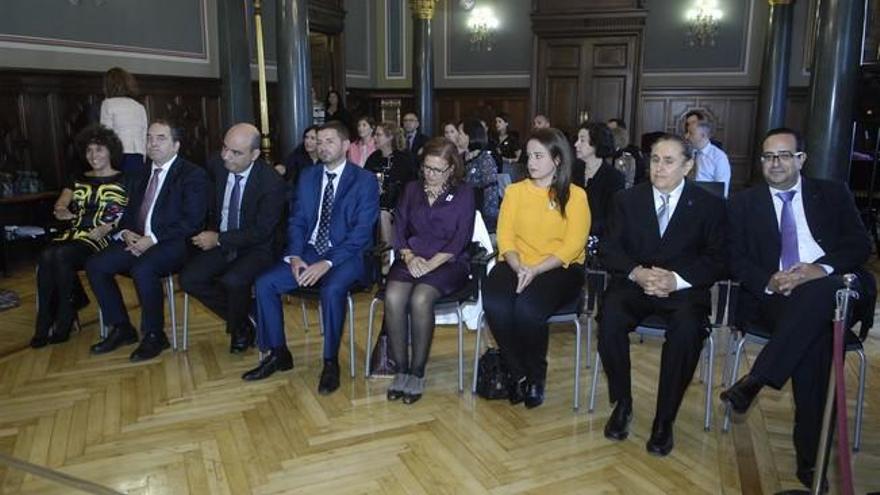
(449, 197)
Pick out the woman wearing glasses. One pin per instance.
(434, 223)
(542, 233)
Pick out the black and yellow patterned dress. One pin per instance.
(96, 201)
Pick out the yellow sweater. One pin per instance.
(535, 229)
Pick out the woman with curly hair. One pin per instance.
(92, 202)
(124, 115)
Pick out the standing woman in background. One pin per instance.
(364, 145)
(542, 232)
(394, 167)
(92, 202)
(126, 117)
(334, 109)
(480, 169)
(508, 142)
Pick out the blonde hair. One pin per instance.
(398, 140)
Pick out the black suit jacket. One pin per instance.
(692, 246)
(755, 245)
(263, 206)
(180, 208)
(600, 192)
(419, 142)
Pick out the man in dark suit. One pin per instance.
(331, 226)
(165, 208)
(790, 240)
(664, 249)
(242, 236)
(415, 140)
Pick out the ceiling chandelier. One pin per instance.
(703, 20)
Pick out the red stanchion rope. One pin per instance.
(843, 452)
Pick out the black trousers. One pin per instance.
(685, 313)
(223, 285)
(800, 349)
(519, 321)
(58, 284)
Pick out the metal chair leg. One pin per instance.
(302, 304)
(860, 401)
(589, 340)
(369, 351)
(477, 351)
(185, 321)
(102, 329)
(597, 367)
(707, 425)
(169, 283)
(577, 364)
(351, 364)
(460, 348)
(739, 348)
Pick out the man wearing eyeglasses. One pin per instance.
(790, 240)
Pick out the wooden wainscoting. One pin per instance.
(456, 104)
(41, 113)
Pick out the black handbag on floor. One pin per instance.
(381, 363)
(491, 375)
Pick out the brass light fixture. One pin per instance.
(703, 20)
(482, 24)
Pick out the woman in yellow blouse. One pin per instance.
(542, 233)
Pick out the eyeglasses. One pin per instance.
(782, 156)
(437, 171)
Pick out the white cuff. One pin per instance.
(681, 283)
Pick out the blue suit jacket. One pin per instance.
(355, 211)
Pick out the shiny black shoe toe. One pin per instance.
(151, 346)
(660, 443)
(242, 340)
(329, 381)
(534, 395)
(742, 393)
(277, 360)
(119, 336)
(617, 427)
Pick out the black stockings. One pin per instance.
(414, 302)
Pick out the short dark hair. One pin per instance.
(799, 139)
(177, 132)
(119, 82)
(695, 113)
(340, 128)
(619, 122)
(101, 136)
(504, 116)
(414, 114)
(560, 149)
(447, 151)
(340, 105)
(686, 149)
(601, 138)
(477, 138)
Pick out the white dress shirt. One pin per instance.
(227, 195)
(674, 196)
(128, 119)
(713, 166)
(808, 249)
(165, 167)
(338, 171)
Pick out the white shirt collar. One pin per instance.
(797, 187)
(674, 194)
(244, 173)
(338, 170)
(165, 165)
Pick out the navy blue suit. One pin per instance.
(178, 214)
(352, 223)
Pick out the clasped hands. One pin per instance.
(785, 281)
(654, 281)
(307, 275)
(417, 265)
(136, 244)
(206, 240)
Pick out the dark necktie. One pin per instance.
(234, 204)
(696, 168)
(322, 240)
(788, 231)
(663, 213)
(149, 198)
(409, 140)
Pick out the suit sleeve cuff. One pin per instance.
(153, 237)
(828, 268)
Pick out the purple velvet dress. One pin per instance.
(447, 226)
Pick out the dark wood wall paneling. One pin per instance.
(41, 113)
(732, 112)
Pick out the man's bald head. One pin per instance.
(241, 146)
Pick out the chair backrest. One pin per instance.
(716, 188)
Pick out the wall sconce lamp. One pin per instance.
(702, 21)
(482, 24)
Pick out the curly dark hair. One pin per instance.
(601, 138)
(102, 136)
(447, 151)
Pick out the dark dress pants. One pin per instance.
(685, 313)
(146, 270)
(800, 349)
(519, 321)
(223, 283)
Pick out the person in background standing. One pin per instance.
(125, 116)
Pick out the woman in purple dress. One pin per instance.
(434, 223)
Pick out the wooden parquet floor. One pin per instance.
(186, 423)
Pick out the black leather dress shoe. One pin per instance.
(617, 427)
(516, 389)
(119, 336)
(741, 394)
(278, 359)
(329, 377)
(534, 395)
(38, 341)
(242, 339)
(805, 476)
(660, 443)
(151, 346)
